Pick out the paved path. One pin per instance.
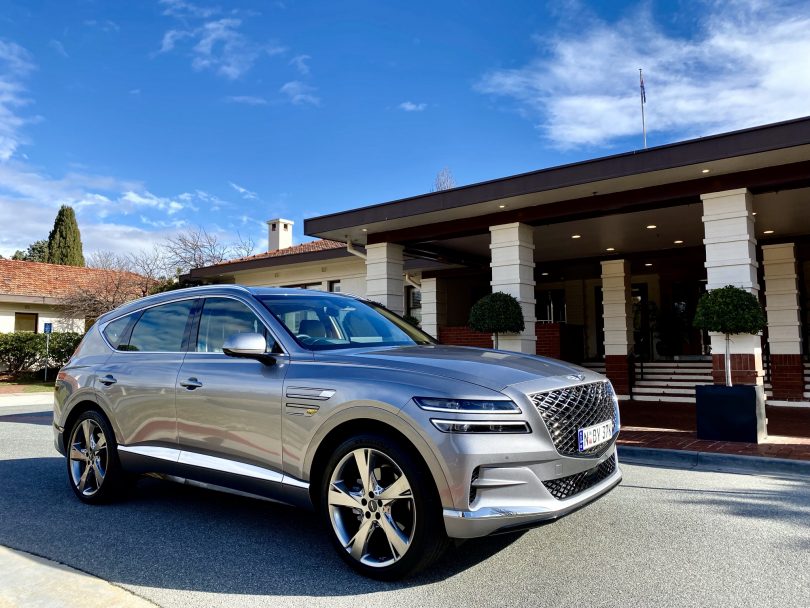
(26, 399)
(664, 538)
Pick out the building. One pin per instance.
(608, 258)
(32, 294)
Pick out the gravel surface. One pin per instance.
(665, 537)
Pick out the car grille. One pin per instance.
(565, 487)
(567, 410)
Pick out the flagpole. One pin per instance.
(643, 99)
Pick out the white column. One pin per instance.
(384, 276)
(782, 299)
(512, 263)
(617, 307)
(434, 306)
(731, 259)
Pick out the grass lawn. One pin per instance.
(27, 384)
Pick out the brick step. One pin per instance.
(665, 384)
(663, 398)
(663, 390)
(674, 378)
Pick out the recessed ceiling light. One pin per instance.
(545, 274)
(679, 242)
(365, 229)
(576, 236)
(610, 249)
(754, 213)
(501, 206)
(705, 170)
(648, 264)
(652, 227)
(768, 232)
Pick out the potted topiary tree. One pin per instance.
(730, 413)
(497, 313)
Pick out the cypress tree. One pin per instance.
(65, 241)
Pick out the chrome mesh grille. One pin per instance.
(567, 410)
(565, 487)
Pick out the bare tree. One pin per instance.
(98, 292)
(243, 247)
(152, 267)
(194, 248)
(444, 180)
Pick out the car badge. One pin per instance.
(577, 377)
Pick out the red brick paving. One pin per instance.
(672, 427)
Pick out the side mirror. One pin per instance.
(247, 346)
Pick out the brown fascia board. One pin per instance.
(270, 262)
(765, 138)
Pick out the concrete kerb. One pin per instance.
(712, 461)
(33, 581)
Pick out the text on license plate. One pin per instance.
(594, 435)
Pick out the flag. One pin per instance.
(643, 92)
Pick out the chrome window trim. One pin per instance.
(183, 352)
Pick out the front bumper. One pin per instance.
(544, 509)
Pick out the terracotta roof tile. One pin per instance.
(21, 278)
(310, 247)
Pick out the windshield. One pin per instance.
(330, 322)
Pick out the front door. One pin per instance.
(229, 409)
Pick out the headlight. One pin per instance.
(433, 404)
(480, 426)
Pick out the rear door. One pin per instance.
(229, 409)
(138, 381)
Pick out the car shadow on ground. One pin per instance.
(175, 536)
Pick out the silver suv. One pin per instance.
(332, 402)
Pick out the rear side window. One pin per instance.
(223, 317)
(161, 328)
(115, 332)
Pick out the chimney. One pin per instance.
(279, 234)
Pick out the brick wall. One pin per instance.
(464, 336)
(549, 339)
(787, 376)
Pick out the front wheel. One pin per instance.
(384, 518)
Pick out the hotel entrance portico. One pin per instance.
(609, 257)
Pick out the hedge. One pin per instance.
(22, 351)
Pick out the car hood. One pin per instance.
(492, 369)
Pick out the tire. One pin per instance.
(97, 478)
(382, 538)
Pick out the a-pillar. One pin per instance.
(784, 324)
(618, 323)
(384, 279)
(512, 263)
(434, 306)
(730, 243)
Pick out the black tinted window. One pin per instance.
(221, 318)
(115, 331)
(161, 328)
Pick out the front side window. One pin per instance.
(223, 317)
(330, 322)
(161, 328)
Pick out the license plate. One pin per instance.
(594, 435)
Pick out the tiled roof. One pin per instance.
(36, 279)
(310, 247)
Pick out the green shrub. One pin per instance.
(729, 310)
(497, 313)
(20, 352)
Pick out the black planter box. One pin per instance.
(730, 413)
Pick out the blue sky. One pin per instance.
(151, 116)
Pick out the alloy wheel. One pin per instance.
(88, 457)
(371, 507)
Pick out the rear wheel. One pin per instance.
(383, 514)
(94, 471)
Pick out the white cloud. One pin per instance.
(105, 25)
(171, 38)
(250, 100)
(15, 66)
(300, 93)
(246, 194)
(300, 63)
(59, 48)
(183, 9)
(409, 106)
(747, 64)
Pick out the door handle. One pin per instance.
(191, 383)
(108, 380)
